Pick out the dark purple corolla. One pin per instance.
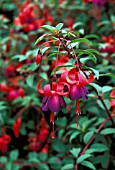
(53, 103)
(77, 92)
(53, 99)
(99, 3)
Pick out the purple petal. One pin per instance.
(45, 107)
(62, 102)
(53, 103)
(84, 92)
(74, 93)
(44, 99)
(85, 89)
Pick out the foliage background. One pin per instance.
(19, 70)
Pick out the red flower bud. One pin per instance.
(4, 140)
(16, 127)
(21, 92)
(38, 58)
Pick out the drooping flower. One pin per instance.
(78, 86)
(53, 98)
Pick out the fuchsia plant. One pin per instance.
(71, 83)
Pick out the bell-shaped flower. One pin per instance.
(78, 88)
(53, 99)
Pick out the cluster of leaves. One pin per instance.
(88, 32)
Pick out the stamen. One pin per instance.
(78, 111)
(52, 120)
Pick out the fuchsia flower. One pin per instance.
(78, 83)
(53, 99)
(74, 88)
(14, 94)
(78, 88)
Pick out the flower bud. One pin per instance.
(38, 59)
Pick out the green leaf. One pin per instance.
(23, 58)
(58, 146)
(96, 72)
(90, 151)
(108, 74)
(43, 75)
(45, 67)
(83, 157)
(43, 50)
(88, 136)
(32, 52)
(100, 147)
(3, 159)
(84, 40)
(14, 155)
(18, 57)
(49, 28)
(92, 36)
(30, 124)
(75, 152)
(61, 121)
(107, 103)
(88, 164)
(108, 131)
(81, 31)
(42, 156)
(9, 166)
(71, 34)
(67, 167)
(91, 51)
(16, 167)
(53, 163)
(43, 167)
(59, 26)
(106, 88)
(97, 87)
(32, 67)
(77, 24)
(74, 135)
(93, 58)
(30, 80)
(40, 38)
(33, 157)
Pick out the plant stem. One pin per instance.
(102, 101)
(93, 137)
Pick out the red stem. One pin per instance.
(93, 137)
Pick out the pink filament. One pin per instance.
(78, 111)
(52, 120)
